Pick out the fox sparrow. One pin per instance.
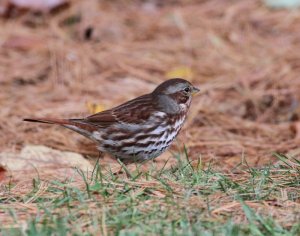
(140, 129)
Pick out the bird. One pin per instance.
(140, 129)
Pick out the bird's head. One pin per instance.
(176, 94)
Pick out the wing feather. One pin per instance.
(135, 111)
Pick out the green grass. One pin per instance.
(187, 199)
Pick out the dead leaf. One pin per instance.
(94, 107)
(2, 173)
(297, 130)
(35, 157)
(38, 5)
(180, 72)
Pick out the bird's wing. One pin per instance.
(135, 111)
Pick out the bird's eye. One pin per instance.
(187, 89)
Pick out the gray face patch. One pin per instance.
(176, 88)
(168, 105)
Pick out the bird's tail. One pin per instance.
(49, 121)
(78, 125)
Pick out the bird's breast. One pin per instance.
(143, 143)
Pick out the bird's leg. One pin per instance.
(119, 171)
(123, 167)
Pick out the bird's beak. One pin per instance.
(195, 91)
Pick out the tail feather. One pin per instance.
(49, 120)
(77, 125)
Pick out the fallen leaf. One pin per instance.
(94, 108)
(38, 5)
(180, 72)
(297, 130)
(2, 173)
(35, 157)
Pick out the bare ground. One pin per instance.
(243, 55)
